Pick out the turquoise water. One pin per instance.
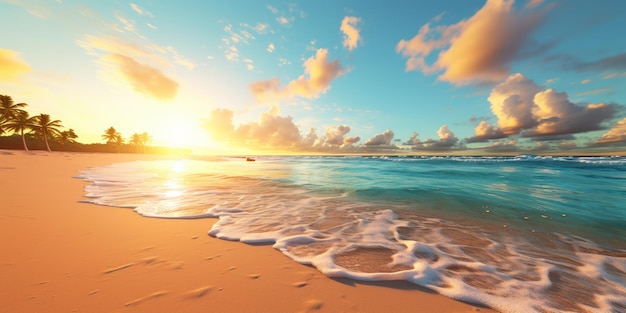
(518, 234)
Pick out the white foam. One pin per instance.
(504, 268)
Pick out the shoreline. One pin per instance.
(62, 255)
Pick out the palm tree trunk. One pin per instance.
(24, 141)
(45, 138)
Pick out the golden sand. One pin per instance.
(61, 255)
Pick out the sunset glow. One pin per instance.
(466, 77)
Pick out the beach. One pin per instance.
(62, 255)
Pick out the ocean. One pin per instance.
(517, 234)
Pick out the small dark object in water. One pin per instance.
(250, 159)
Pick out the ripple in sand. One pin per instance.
(300, 284)
(198, 292)
(313, 305)
(146, 298)
(254, 276)
(118, 268)
(213, 257)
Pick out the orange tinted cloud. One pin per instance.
(334, 136)
(447, 140)
(617, 134)
(144, 79)
(512, 102)
(318, 74)
(351, 34)
(270, 132)
(523, 107)
(273, 132)
(137, 64)
(11, 66)
(479, 49)
(382, 139)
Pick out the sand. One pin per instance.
(61, 255)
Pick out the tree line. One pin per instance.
(43, 132)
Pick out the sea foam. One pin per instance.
(469, 232)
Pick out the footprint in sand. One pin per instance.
(300, 284)
(312, 305)
(254, 276)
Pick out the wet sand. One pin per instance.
(61, 255)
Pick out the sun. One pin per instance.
(181, 133)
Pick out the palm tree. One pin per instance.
(47, 128)
(111, 135)
(136, 140)
(68, 136)
(20, 123)
(145, 139)
(9, 109)
(3, 122)
(118, 141)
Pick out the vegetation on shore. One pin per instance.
(19, 130)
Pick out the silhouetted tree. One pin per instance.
(67, 136)
(47, 128)
(145, 139)
(136, 141)
(9, 109)
(20, 123)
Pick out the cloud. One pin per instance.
(556, 115)
(485, 131)
(11, 65)
(318, 74)
(612, 63)
(533, 3)
(270, 132)
(522, 107)
(285, 21)
(501, 146)
(144, 79)
(334, 136)
(567, 145)
(413, 140)
(350, 31)
(38, 9)
(271, 47)
(140, 10)
(138, 65)
(382, 139)
(512, 103)
(474, 51)
(447, 140)
(594, 91)
(273, 132)
(616, 135)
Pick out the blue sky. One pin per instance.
(451, 77)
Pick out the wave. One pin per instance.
(442, 243)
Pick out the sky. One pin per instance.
(308, 77)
